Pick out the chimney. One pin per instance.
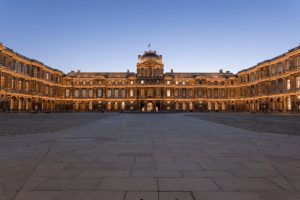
(171, 71)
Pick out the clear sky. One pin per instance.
(192, 35)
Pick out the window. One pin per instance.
(91, 93)
(123, 105)
(168, 93)
(177, 106)
(168, 82)
(83, 82)
(76, 93)
(99, 93)
(67, 93)
(116, 93)
(176, 93)
(298, 81)
(116, 106)
(215, 93)
(223, 106)
(131, 82)
(191, 106)
(109, 93)
(109, 105)
(183, 92)
(142, 81)
(289, 103)
(84, 93)
(99, 82)
(91, 82)
(288, 84)
(176, 82)
(131, 93)
(200, 93)
(209, 105)
(123, 93)
(183, 83)
(47, 76)
(183, 106)
(142, 93)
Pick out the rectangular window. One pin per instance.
(84, 93)
(91, 93)
(109, 93)
(168, 93)
(288, 84)
(123, 93)
(142, 93)
(76, 93)
(183, 92)
(200, 93)
(176, 93)
(99, 93)
(289, 103)
(116, 93)
(131, 93)
(67, 93)
(298, 81)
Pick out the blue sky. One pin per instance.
(192, 35)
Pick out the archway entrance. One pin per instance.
(157, 106)
(149, 106)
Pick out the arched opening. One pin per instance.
(149, 106)
(157, 106)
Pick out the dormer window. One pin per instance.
(168, 82)
(131, 82)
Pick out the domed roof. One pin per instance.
(150, 54)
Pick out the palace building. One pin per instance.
(270, 86)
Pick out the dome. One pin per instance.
(150, 54)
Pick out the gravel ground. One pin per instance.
(268, 123)
(33, 123)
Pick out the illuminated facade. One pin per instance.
(270, 86)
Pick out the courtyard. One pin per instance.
(149, 156)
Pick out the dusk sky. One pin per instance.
(192, 36)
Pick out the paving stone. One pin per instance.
(227, 196)
(141, 196)
(90, 195)
(36, 195)
(52, 184)
(186, 184)
(175, 196)
(129, 184)
(156, 173)
(177, 166)
(280, 195)
(245, 184)
(106, 173)
(141, 153)
(206, 173)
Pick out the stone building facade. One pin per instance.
(270, 86)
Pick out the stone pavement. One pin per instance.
(150, 157)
